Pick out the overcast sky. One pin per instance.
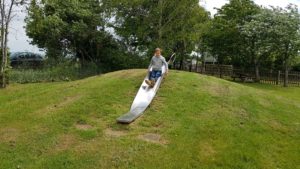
(18, 41)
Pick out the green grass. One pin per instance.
(202, 122)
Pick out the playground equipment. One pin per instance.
(143, 98)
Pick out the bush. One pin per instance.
(61, 69)
(61, 72)
(296, 67)
(7, 69)
(6, 78)
(127, 61)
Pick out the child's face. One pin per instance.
(157, 53)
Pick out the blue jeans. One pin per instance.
(155, 74)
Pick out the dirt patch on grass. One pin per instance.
(216, 89)
(207, 150)
(115, 133)
(158, 103)
(84, 127)
(153, 138)
(287, 101)
(88, 147)
(265, 102)
(67, 101)
(243, 117)
(65, 142)
(277, 126)
(9, 135)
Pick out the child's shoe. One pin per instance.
(148, 82)
(153, 83)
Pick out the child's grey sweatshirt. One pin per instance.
(158, 62)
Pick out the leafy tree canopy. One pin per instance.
(172, 25)
(73, 27)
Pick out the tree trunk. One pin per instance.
(5, 55)
(203, 65)
(197, 64)
(181, 64)
(220, 70)
(286, 66)
(184, 52)
(2, 71)
(278, 78)
(191, 64)
(257, 73)
(6, 17)
(286, 76)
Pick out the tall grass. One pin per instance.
(62, 72)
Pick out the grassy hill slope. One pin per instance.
(195, 122)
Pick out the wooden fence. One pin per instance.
(266, 76)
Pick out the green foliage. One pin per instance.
(7, 78)
(241, 33)
(287, 35)
(220, 40)
(65, 71)
(260, 38)
(274, 35)
(74, 28)
(144, 25)
(238, 11)
(223, 38)
(296, 67)
(55, 70)
(247, 36)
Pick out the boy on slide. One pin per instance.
(156, 64)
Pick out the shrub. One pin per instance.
(297, 67)
(61, 72)
(6, 78)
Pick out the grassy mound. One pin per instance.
(195, 122)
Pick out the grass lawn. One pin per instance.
(195, 122)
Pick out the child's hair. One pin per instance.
(158, 49)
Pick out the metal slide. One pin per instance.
(143, 98)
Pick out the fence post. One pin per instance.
(278, 78)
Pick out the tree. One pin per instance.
(260, 38)
(71, 28)
(230, 18)
(273, 34)
(218, 41)
(6, 14)
(223, 39)
(286, 31)
(171, 25)
(245, 35)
